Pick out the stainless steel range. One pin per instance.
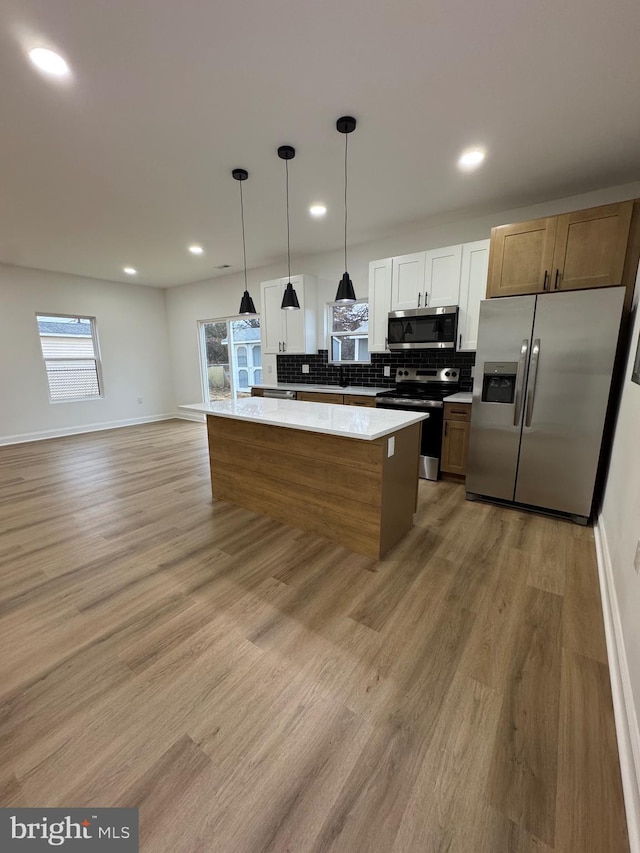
(423, 389)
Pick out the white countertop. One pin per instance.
(347, 421)
(460, 397)
(324, 389)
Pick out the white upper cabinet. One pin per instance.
(407, 282)
(426, 279)
(473, 285)
(379, 303)
(442, 276)
(292, 332)
(271, 320)
(454, 275)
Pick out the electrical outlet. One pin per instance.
(387, 370)
(473, 371)
(305, 368)
(636, 562)
(269, 369)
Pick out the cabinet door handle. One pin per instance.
(419, 298)
(279, 346)
(446, 428)
(426, 298)
(457, 412)
(459, 341)
(555, 284)
(386, 343)
(544, 280)
(284, 346)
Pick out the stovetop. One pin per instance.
(424, 383)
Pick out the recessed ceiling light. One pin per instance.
(317, 210)
(196, 250)
(49, 62)
(130, 270)
(471, 158)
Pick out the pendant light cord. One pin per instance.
(244, 248)
(286, 163)
(346, 143)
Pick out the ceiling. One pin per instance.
(129, 162)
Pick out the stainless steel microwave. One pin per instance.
(423, 328)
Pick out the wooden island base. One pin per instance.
(347, 490)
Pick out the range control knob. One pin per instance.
(447, 373)
(406, 373)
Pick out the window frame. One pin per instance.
(331, 334)
(97, 359)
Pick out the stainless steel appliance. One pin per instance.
(423, 389)
(279, 394)
(423, 328)
(542, 383)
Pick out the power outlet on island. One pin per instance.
(305, 368)
(636, 562)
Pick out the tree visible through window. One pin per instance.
(349, 332)
(70, 352)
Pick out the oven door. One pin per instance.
(423, 328)
(431, 436)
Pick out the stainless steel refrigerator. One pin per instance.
(542, 382)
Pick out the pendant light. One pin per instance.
(346, 293)
(290, 297)
(246, 303)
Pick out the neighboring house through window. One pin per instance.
(348, 332)
(70, 352)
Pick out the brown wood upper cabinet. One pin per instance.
(576, 250)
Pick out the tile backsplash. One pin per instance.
(323, 373)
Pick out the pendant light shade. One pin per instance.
(346, 293)
(289, 297)
(246, 303)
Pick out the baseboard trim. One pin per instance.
(23, 438)
(191, 416)
(623, 705)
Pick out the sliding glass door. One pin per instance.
(231, 357)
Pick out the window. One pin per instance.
(349, 332)
(70, 352)
(225, 347)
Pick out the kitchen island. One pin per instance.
(346, 473)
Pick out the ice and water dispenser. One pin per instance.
(499, 381)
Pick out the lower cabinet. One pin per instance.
(320, 397)
(327, 397)
(455, 438)
(359, 400)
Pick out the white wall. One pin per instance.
(132, 334)
(620, 514)
(220, 297)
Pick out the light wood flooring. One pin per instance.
(253, 688)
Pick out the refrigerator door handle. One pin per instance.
(522, 367)
(531, 392)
